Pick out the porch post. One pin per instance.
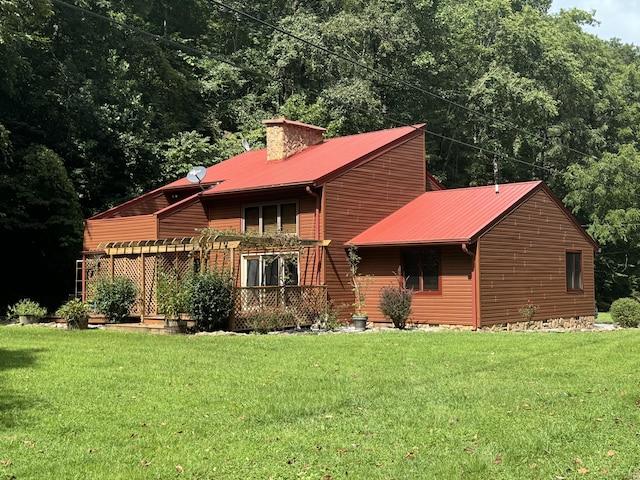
(143, 295)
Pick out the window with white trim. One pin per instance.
(265, 270)
(271, 218)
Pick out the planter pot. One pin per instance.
(27, 319)
(174, 327)
(79, 324)
(359, 322)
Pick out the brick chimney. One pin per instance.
(286, 137)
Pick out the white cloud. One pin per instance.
(618, 18)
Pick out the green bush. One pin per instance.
(212, 300)
(330, 317)
(395, 303)
(173, 295)
(76, 313)
(114, 298)
(26, 307)
(625, 312)
(269, 320)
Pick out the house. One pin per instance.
(475, 257)
(371, 189)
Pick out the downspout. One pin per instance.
(316, 233)
(474, 300)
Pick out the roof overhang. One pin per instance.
(415, 243)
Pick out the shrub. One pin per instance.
(212, 300)
(26, 307)
(269, 320)
(625, 312)
(528, 311)
(173, 295)
(114, 298)
(330, 318)
(76, 313)
(395, 303)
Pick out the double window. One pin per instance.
(269, 275)
(421, 269)
(574, 270)
(271, 218)
(269, 270)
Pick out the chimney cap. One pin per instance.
(284, 121)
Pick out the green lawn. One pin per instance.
(604, 317)
(383, 405)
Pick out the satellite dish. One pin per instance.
(196, 174)
(246, 145)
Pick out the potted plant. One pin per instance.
(173, 300)
(359, 286)
(395, 302)
(26, 311)
(75, 313)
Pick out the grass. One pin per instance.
(386, 405)
(604, 317)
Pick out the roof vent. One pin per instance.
(286, 137)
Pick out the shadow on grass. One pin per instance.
(11, 400)
(18, 358)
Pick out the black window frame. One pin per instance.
(574, 271)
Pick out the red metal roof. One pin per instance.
(446, 216)
(312, 166)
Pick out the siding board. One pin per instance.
(523, 258)
(119, 229)
(452, 306)
(183, 223)
(362, 197)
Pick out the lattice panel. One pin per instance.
(178, 262)
(150, 303)
(304, 303)
(95, 267)
(130, 266)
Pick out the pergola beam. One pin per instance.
(189, 244)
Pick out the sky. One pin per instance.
(618, 18)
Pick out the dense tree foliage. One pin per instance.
(101, 101)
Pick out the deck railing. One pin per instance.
(295, 305)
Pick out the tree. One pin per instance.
(605, 194)
(40, 227)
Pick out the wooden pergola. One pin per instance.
(138, 258)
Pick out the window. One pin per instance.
(421, 269)
(266, 270)
(269, 271)
(270, 219)
(574, 270)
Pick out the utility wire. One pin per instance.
(199, 52)
(397, 80)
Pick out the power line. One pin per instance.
(199, 52)
(397, 80)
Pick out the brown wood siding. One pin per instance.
(225, 215)
(183, 223)
(362, 197)
(451, 306)
(432, 185)
(146, 207)
(523, 258)
(124, 229)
